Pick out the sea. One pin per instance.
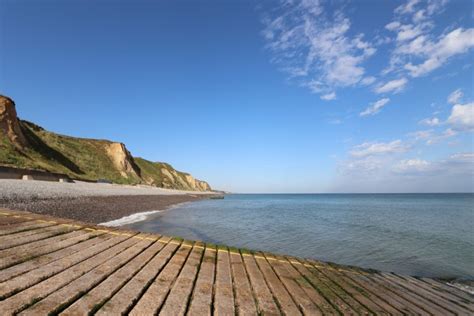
(427, 235)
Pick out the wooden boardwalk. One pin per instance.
(57, 266)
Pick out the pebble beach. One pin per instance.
(89, 202)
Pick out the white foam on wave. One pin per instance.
(462, 286)
(137, 217)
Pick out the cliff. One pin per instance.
(164, 175)
(9, 124)
(26, 145)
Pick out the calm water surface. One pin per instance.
(418, 234)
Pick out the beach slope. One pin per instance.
(90, 202)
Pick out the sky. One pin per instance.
(292, 96)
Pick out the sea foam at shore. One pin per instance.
(137, 217)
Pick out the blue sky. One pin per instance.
(289, 96)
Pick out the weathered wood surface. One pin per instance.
(57, 266)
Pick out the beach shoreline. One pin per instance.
(139, 216)
(93, 203)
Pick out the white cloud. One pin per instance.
(410, 31)
(370, 148)
(454, 164)
(393, 174)
(431, 137)
(430, 121)
(432, 6)
(417, 50)
(313, 6)
(421, 135)
(319, 49)
(315, 48)
(417, 47)
(462, 117)
(462, 158)
(436, 138)
(367, 80)
(396, 85)
(455, 96)
(419, 16)
(375, 107)
(392, 26)
(412, 166)
(329, 96)
(366, 165)
(408, 7)
(438, 53)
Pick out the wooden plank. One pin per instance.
(291, 279)
(314, 294)
(450, 289)
(53, 244)
(177, 301)
(155, 295)
(244, 297)
(410, 296)
(22, 227)
(377, 289)
(37, 275)
(466, 304)
(22, 300)
(56, 301)
(323, 285)
(42, 233)
(224, 294)
(25, 249)
(37, 262)
(46, 226)
(96, 297)
(6, 221)
(433, 298)
(123, 301)
(365, 297)
(357, 294)
(201, 300)
(338, 290)
(265, 303)
(281, 295)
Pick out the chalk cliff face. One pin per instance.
(164, 175)
(9, 123)
(26, 145)
(122, 160)
(197, 185)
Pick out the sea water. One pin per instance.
(428, 235)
